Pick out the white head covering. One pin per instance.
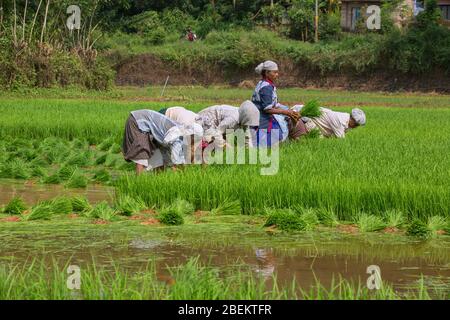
(268, 66)
(249, 114)
(177, 132)
(359, 116)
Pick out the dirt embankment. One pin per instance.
(145, 69)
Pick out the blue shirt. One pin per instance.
(265, 98)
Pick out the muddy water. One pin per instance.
(32, 193)
(402, 263)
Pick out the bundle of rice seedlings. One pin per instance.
(79, 159)
(394, 218)
(101, 159)
(111, 160)
(311, 109)
(39, 161)
(127, 205)
(15, 206)
(309, 216)
(436, 223)
(27, 154)
(419, 229)
(19, 169)
(79, 144)
(52, 179)
(128, 166)
(369, 223)
(170, 216)
(285, 219)
(102, 175)
(327, 217)
(77, 180)
(38, 171)
(102, 211)
(106, 144)
(80, 204)
(5, 170)
(227, 207)
(115, 148)
(66, 171)
(185, 207)
(42, 211)
(313, 134)
(61, 205)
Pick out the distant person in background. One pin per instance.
(190, 35)
(334, 124)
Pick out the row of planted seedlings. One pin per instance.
(297, 219)
(58, 161)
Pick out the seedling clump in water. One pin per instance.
(15, 206)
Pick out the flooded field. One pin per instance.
(303, 258)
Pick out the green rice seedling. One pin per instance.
(81, 204)
(15, 206)
(394, 218)
(101, 160)
(106, 144)
(52, 179)
(127, 166)
(369, 223)
(27, 154)
(313, 134)
(77, 180)
(170, 216)
(327, 217)
(66, 171)
(285, 219)
(42, 211)
(61, 205)
(18, 169)
(311, 109)
(127, 205)
(102, 175)
(39, 161)
(79, 144)
(38, 171)
(115, 148)
(102, 211)
(55, 152)
(419, 229)
(111, 160)
(227, 207)
(82, 159)
(436, 223)
(309, 216)
(183, 207)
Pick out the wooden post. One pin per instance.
(316, 22)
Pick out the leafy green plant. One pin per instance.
(170, 216)
(311, 109)
(77, 180)
(61, 205)
(309, 216)
(52, 179)
(102, 175)
(313, 134)
(285, 219)
(327, 217)
(102, 211)
(66, 171)
(106, 144)
(38, 171)
(369, 223)
(79, 159)
(227, 207)
(127, 205)
(115, 148)
(101, 159)
(81, 204)
(15, 206)
(394, 218)
(419, 229)
(42, 211)
(436, 223)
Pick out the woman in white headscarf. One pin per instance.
(266, 100)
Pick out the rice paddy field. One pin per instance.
(381, 196)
